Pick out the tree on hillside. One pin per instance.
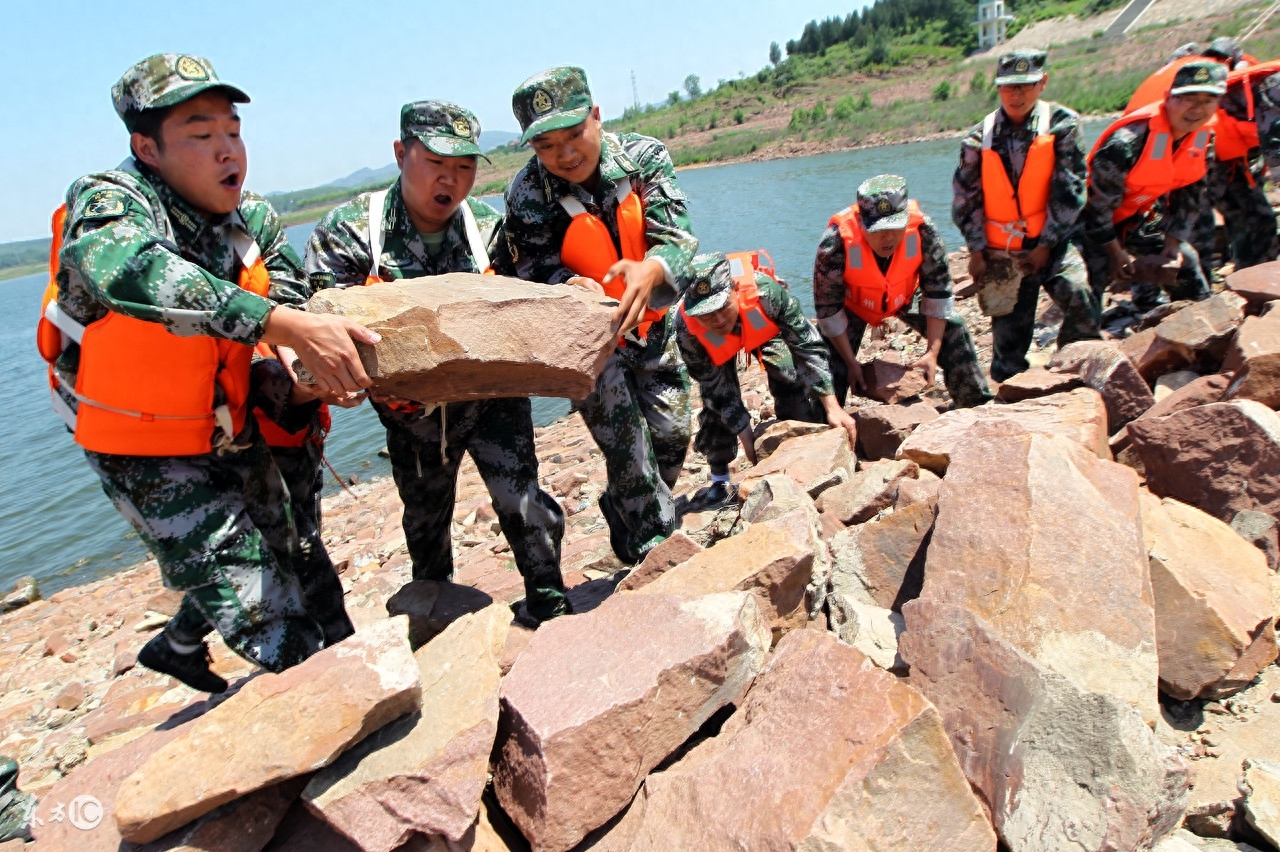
(693, 86)
(775, 53)
(673, 98)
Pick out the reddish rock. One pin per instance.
(1102, 366)
(56, 643)
(883, 428)
(245, 825)
(424, 773)
(1050, 760)
(135, 707)
(71, 696)
(165, 602)
(278, 726)
(673, 551)
(1215, 621)
(1222, 458)
(432, 606)
(1260, 530)
(1152, 355)
(882, 562)
(1254, 357)
(1008, 545)
(1079, 415)
(302, 831)
(773, 497)
(1258, 284)
(868, 492)
(462, 336)
(890, 382)
(827, 752)
(1035, 383)
(572, 750)
(773, 435)
(922, 490)
(1203, 329)
(1201, 391)
(804, 459)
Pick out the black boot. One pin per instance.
(192, 669)
(617, 531)
(714, 496)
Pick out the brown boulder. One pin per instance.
(1202, 330)
(1201, 391)
(1102, 366)
(1222, 458)
(1260, 530)
(1035, 383)
(1152, 355)
(804, 459)
(882, 562)
(868, 492)
(1051, 760)
(1254, 357)
(770, 437)
(1215, 623)
(891, 382)
(668, 554)
(461, 336)
(1079, 415)
(432, 607)
(826, 752)
(573, 748)
(276, 727)
(1008, 545)
(1258, 284)
(883, 428)
(425, 772)
(772, 497)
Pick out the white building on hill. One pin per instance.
(992, 23)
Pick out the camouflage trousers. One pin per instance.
(791, 401)
(498, 435)
(639, 416)
(1250, 222)
(958, 359)
(1190, 283)
(222, 531)
(321, 586)
(1065, 280)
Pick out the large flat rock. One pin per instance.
(1215, 622)
(278, 726)
(1035, 383)
(1258, 284)
(1101, 365)
(1079, 415)
(804, 459)
(1222, 458)
(1203, 330)
(827, 752)
(1008, 545)
(424, 773)
(883, 428)
(1054, 762)
(1152, 355)
(461, 336)
(598, 700)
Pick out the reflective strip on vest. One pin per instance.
(913, 245)
(854, 255)
(1159, 146)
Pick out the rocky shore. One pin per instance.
(979, 629)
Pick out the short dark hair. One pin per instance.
(148, 122)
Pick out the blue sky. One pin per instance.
(327, 79)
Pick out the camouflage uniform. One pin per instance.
(1174, 214)
(639, 411)
(795, 360)
(498, 433)
(218, 524)
(933, 298)
(1063, 277)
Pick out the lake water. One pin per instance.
(56, 523)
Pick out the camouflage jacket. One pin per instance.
(719, 385)
(338, 250)
(535, 222)
(1266, 111)
(933, 297)
(1174, 214)
(1066, 187)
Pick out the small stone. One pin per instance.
(151, 621)
(890, 382)
(71, 696)
(25, 591)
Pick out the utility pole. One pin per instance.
(635, 93)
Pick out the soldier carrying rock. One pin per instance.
(736, 305)
(1018, 190)
(1147, 187)
(603, 211)
(425, 225)
(169, 275)
(883, 257)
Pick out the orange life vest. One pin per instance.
(1011, 215)
(757, 328)
(589, 251)
(1233, 138)
(142, 390)
(378, 203)
(275, 435)
(1160, 169)
(871, 294)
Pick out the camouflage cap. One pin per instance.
(446, 129)
(1020, 66)
(711, 287)
(882, 203)
(551, 100)
(1204, 76)
(164, 80)
(1224, 48)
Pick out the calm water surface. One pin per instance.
(56, 523)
